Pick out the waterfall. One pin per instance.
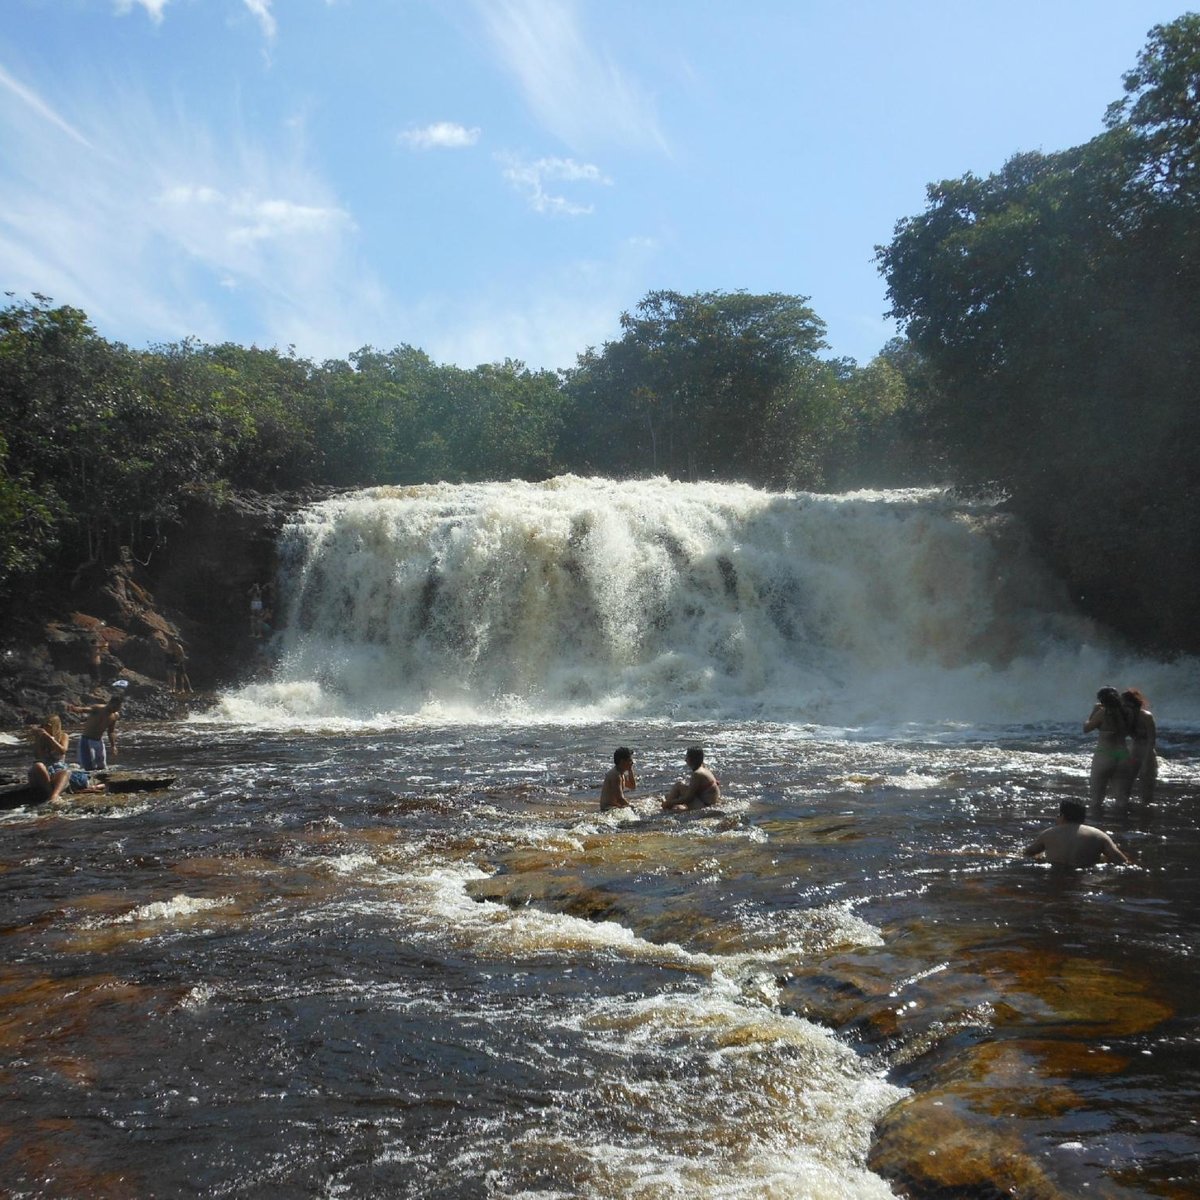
(597, 599)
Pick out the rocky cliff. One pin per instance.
(129, 620)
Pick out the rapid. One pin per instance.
(378, 941)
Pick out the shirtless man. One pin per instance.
(618, 780)
(99, 723)
(1070, 843)
(699, 791)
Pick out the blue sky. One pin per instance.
(502, 178)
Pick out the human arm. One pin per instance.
(1093, 721)
(629, 779)
(1112, 852)
(112, 736)
(1037, 846)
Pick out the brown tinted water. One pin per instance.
(415, 961)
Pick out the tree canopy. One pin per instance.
(1055, 301)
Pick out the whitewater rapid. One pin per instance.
(597, 600)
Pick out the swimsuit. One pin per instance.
(79, 779)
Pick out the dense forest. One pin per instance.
(1050, 356)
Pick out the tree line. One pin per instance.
(1050, 353)
(1055, 305)
(102, 446)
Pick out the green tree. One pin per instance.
(1054, 302)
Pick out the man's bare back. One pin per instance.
(1070, 843)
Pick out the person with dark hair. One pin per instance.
(1143, 757)
(1110, 761)
(1071, 843)
(100, 722)
(699, 790)
(619, 779)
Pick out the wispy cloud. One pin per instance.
(148, 221)
(441, 135)
(530, 178)
(154, 8)
(249, 218)
(575, 91)
(39, 107)
(260, 10)
(547, 320)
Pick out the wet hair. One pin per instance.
(1108, 696)
(694, 756)
(622, 754)
(1073, 811)
(116, 700)
(1134, 697)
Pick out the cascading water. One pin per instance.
(595, 599)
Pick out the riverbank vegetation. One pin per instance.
(1050, 355)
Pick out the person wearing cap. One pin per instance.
(99, 722)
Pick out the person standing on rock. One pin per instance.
(177, 666)
(256, 611)
(99, 723)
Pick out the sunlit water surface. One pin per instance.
(377, 940)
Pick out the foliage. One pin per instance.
(715, 385)
(1055, 302)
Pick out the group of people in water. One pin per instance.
(1125, 756)
(699, 789)
(1125, 752)
(52, 774)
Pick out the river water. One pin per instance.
(378, 941)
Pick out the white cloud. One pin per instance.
(530, 179)
(150, 222)
(250, 218)
(261, 11)
(37, 105)
(445, 135)
(546, 321)
(574, 91)
(154, 8)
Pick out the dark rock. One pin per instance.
(193, 590)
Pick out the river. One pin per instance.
(377, 940)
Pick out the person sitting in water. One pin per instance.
(1071, 843)
(99, 723)
(1110, 761)
(52, 775)
(700, 790)
(618, 780)
(1143, 758)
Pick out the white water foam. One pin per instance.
(588, 599)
